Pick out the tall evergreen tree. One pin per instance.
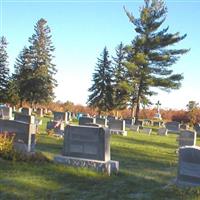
(23, 75)
(101, 96)
(150, 56)
(120, 84)
(44, 70)
(4, 70)
(34, 70)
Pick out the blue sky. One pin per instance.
(81, 29)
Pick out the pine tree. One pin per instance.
(101, 96)
(150, 56)
(23, 75)
(4, 70)
(41, 48)
(120, 85)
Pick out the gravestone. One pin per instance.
(73, 115)
(129, 122)
(117, 127)
(86, 146)
(60, 116)
(197, 128)
(86, 120)
(146, 130)
(30, 119)
(5, 112)
(24, 133)
(145, 122)
(135, 128)
(184, 126)
(40, 112)
(162, 131)
(26, 111)
(101, 121)
(173, 126)
(69, 116)
(57, 126)
(110, 118)
(187, 138)
(189, 166)
(140, 123)
(157, 123)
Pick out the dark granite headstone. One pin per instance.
(30, 119)
(26, 111)
(187, 138)
(173, 126)
(87, 142)
(60, 116)
(23, 132)
(117, 124)
(189, 166)
(86, 120)
(146, 130)
(5, 112)
(135, 128)
(162, 131)
(101, 121)
(129, 122)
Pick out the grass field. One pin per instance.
(148, 164)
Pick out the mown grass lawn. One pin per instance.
(148, 164)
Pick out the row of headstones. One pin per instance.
(189, 153)
(136, 128)
(105, 121)
(118, 126)
(189, 160)
(82, 143)
(90, 146)
(6, 112)
(23, 125)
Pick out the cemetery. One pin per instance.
(74, 129)
(90, 160)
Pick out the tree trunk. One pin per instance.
(117, 113)
(21, 103)
(138, 102)
(133, 110)
(137, 109)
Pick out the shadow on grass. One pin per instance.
(134, 158)
(58, 182)
(49, 147)
(133, 140)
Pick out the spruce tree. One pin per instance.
(120, 85)
(149, 56)
(23, 75)
(4, 70)
(101, 96)
(41, 48)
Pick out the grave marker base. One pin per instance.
(108, 167)
(118, 132)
